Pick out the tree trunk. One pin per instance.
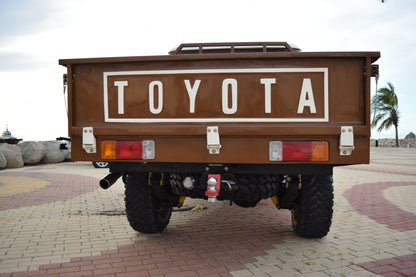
(397, 136)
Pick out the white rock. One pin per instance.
(53, 153)
(32, 151)
(13, 155)
(3, 161)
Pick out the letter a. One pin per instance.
(306, 97)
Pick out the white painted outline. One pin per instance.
(210, 71)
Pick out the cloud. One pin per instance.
(23, 16)
(20, 61)
(34, 34)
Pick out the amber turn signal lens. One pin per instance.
(320, 151)
(108, 150)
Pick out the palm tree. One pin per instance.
(385, 106)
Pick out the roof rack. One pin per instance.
(233, 47)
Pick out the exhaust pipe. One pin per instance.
(109, 180)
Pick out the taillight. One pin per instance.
(296, 151)
(127, 149)
(307, 151)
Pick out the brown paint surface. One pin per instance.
(242, 142)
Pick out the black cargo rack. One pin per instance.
(233, 47)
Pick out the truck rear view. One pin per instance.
(223, 121)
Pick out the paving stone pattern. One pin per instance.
(56, 221)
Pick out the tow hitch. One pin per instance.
(213, 187)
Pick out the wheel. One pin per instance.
(144, 212)
(253, 188)
(101, 164)
(312, 212)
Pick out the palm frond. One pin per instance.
(385, 106)
(386, 124)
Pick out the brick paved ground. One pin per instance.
(55, 221)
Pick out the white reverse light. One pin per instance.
(148, 149)
(275, 150)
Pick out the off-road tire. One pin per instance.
(144, 212)
(312, 213)
(253, 188)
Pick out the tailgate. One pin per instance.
(222, 108)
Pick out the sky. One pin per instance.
(35, 34)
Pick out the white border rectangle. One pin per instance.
(210, 71)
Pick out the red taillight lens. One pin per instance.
(297, 151)
(129, 150)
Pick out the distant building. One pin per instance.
(410, 136)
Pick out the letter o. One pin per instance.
(225, 107)
(152, 108)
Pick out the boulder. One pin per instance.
(32, 151)
(65, 145)
(386, 142)
(13, 155)
(3, 161)
(68, 156)
(54, 153)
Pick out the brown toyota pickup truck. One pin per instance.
(223, 121)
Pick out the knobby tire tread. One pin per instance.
(253, 188)
(144, 212)
(312, 215)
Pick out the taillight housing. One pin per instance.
(127, 149)
(298, 151)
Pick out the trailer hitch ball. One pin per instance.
(212, 183)
(212, 188)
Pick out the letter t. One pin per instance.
(267, 82)
(120, 85)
